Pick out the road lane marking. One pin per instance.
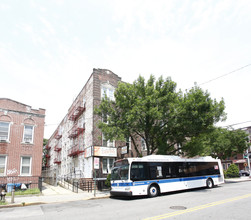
(196, 208)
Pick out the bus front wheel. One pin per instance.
(210, 183)
(153, 191)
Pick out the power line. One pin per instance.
(50, 124)
(237, 123)
(225, 74)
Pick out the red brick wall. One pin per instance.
(101, 76)
(18, 115)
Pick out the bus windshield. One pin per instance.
(120, 170)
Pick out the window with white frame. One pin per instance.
(28, 133)
(3, 161)
(4, 131)
(107, 90)
(25, 165)
(107, 143)
(107, 165)
(128, 143)
(143, 144)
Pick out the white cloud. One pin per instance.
(49, 29)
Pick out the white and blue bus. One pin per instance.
(155, 174)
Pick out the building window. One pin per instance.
(128, 143)
(28, 134)
(25, 165)
(107, 143)
(143, 144)
(4, 131)
(2, 165)
(107, 90)
(107, 165)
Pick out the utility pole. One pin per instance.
(12, 194)
(96, 167)
(248, 160)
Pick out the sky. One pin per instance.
(48, 49)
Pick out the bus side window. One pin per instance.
(173, 170)
(159, 172)
(156, 171)
(191, 169)
(153, 173)
(138, 171)
(166, 171)
(135, 171)
(181, 169)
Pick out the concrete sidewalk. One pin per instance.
(236, 180)
(54, 194)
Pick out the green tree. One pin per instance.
(195, 114)
(232, 171)
(154, 111)
(45, 142)
(219, 143)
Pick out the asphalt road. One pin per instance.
(228, 201)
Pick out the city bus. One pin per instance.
(156, 174)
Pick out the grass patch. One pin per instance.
(3, 203)
(25, 192)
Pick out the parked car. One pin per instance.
(244, 173)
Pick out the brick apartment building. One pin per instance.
(77, 146)
(21, 143)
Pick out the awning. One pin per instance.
(240, 161)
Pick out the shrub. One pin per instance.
(108, 181)
(232, 171)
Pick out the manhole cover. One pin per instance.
(178, 207)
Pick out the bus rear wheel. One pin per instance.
(210, 183)
(153, 191)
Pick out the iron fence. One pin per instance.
(8, 183)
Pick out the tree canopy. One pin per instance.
(153, 110)
(45, 142)
(219, 143)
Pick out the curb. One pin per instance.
(101, 197)
(237, 180)
(21, 204)
(13, 205)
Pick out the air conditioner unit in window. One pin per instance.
(3, 139)
(28, 141)
(110, 144)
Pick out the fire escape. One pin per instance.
(76, 130)
(76, 111)
(57, 149)
(58, 136)
(57, 159)
(47, 155)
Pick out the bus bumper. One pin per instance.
(120, 193)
